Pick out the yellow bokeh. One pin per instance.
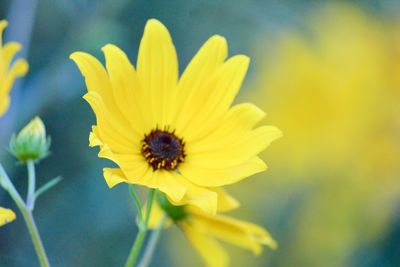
(334, 91)
(9, 70)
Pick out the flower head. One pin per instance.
(9, 71)
(179, 135)
(31, 142)
(203, 230)
(6, 216)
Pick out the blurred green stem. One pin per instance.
(142, 225)
(26, 213)
(46, 187)
(138, 205)
(152, 244)
(30, 199)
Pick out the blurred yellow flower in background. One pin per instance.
(9, 71)
(204, 230)
(334, 89)
(179, 135)
(6, 216)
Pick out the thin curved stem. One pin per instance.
(137, 245)
(142, 225)
(152, 244)
(138, 204)
(150, 201)
(44, 188)
(27, 215)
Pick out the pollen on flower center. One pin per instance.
(163, 150)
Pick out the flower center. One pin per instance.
(163, 150)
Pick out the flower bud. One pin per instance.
(31, 142)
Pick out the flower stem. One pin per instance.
(138, 205)
(30, 199)
(37, 242)
(27, 215)
(152, 244)
(142, 225)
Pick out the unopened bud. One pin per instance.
(31, 142)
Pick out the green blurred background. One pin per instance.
(326, 72)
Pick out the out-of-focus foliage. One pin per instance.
(334, 90)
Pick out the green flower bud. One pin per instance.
(176, 213)
(31, 142)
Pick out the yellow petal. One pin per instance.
(126, 87)
(235, 151)
(197, 196)
(112, 128)
(211, 101)
(8, 52)
(9, 72)
(6, 215)
(209, 57)
(113, 176)
(226, 202)
(219, 177)
(100, 97)
(4, 104)
(134, 166)
(166, 182)
(237, 232)
(94, 140)
(96, 77)
(157, 68)
(209, 249)
(3, 25)
(239, 121)
(18, 69)
(206, 61)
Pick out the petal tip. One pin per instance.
(3, 25)
(108, 47)
(218, 39)
(73, 56)
(113, 177)
(21, 67)
(77, 56)
(154, 24)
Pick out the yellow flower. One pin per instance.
(335, 92)
(204, 230)
(6, 216)
(178, 135)
(8, 71)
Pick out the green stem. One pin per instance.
(150, 201)
(152, 244)
(142, 225)
(138, 205)
(46, 187)
(27, 215)
(30, 199)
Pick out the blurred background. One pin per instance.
(326, 72)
